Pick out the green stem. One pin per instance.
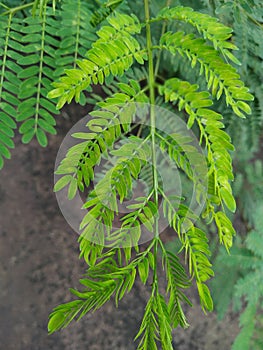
(152, 104)
(249, 16)
(40, 74)
(168, 3)
(5, 53)
(77, 35)
(151, 81)
(18, 8)
(4, 6)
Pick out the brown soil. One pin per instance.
(39, 262)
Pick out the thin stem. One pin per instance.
(151, 81)
(152, 104)
(5, 53)
(40, 74)
(4, 6)
(18, 8)
(249, 16)
(77, 35)
(168, 3)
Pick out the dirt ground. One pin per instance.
(39, 263)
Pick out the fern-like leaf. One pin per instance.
(220, 76)
(217, 143)
(113, 53)
(97, 223)
(9, 85)
(101, 282)
(149, 328)
(104, 11)
(245, 267)
(96, 295)
(73, 33)
(176, 281)
(116, 115)
(247, 322)
(195, 243)
(35, 111)
(206, 25)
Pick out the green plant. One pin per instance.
(246, 18)
(244, 288)
(30, 51)
(121, 48)
(108, 274)
(244, 264)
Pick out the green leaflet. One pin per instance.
(225, 229)
(176, 281)
(194, 241)
(143, 269)
(228, 199)
(62, 182)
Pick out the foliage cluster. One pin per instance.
(244, 264)
(242, 285)
(51, 54)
